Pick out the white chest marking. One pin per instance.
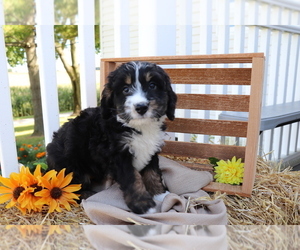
(146, 144)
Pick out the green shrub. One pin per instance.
(22, 105)
(65, 98)
(21, 101)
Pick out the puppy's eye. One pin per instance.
(152, 85)
(126, 90)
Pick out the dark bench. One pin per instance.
(271, 116)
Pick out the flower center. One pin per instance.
(36, 188)
(56, 193)
(17, 191)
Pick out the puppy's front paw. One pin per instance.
(141, 205)
(160, 197)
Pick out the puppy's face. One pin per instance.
(138, 91)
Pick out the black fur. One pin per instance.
(96, 144)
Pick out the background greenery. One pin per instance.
(22, 105)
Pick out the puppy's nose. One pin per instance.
(141, 108)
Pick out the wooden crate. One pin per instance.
(229, 75)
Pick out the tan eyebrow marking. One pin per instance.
(128, 80)
(148, 77)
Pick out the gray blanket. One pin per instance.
(185, 203)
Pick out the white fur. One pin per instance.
(160, 197)
(143, 146)
(151, 210)
(137, 97)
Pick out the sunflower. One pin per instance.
(28, 198)
(13, 188)
(57, 192)
(19, 188)
(231, 172)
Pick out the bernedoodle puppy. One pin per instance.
(121, 138)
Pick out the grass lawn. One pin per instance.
(23, 132)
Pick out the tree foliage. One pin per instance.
(19, 12)
(20, 17)
(16, 42)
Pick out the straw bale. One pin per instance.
(13, 216)
(275, 201)
(39, 237)
(267, 237)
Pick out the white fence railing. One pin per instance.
(133, 28)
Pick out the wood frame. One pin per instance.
(252, 77)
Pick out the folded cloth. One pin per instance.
(157, 237)
(186, 204)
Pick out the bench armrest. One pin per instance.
(271, 116)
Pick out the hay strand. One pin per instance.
(275, 201)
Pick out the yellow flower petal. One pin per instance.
(6, 182)
(5, 190)
(43, 193)
(50, 174)
(41, 202)
(37, 171)
(11, 203)
(23, 210)
(66, 181)
(60, 178)
(70, 196)
(44, 182)
(53, 205)
(4, 198)
(65, 204)
(72, 188)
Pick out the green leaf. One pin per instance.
(44, 166)
(213, 160)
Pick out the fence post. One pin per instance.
(121, 28)
(86, 38)
(157, 29)
(47, 66)
(8, 152)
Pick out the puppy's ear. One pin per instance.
(107, 99)
(172, 100)
(107, 104)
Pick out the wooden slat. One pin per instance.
(203, 150)
(238, 103)
(227, 188)
(195, 166)
(222, 76)
(105, 69)
(208, 127)
(253, 123)
(192, 59)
